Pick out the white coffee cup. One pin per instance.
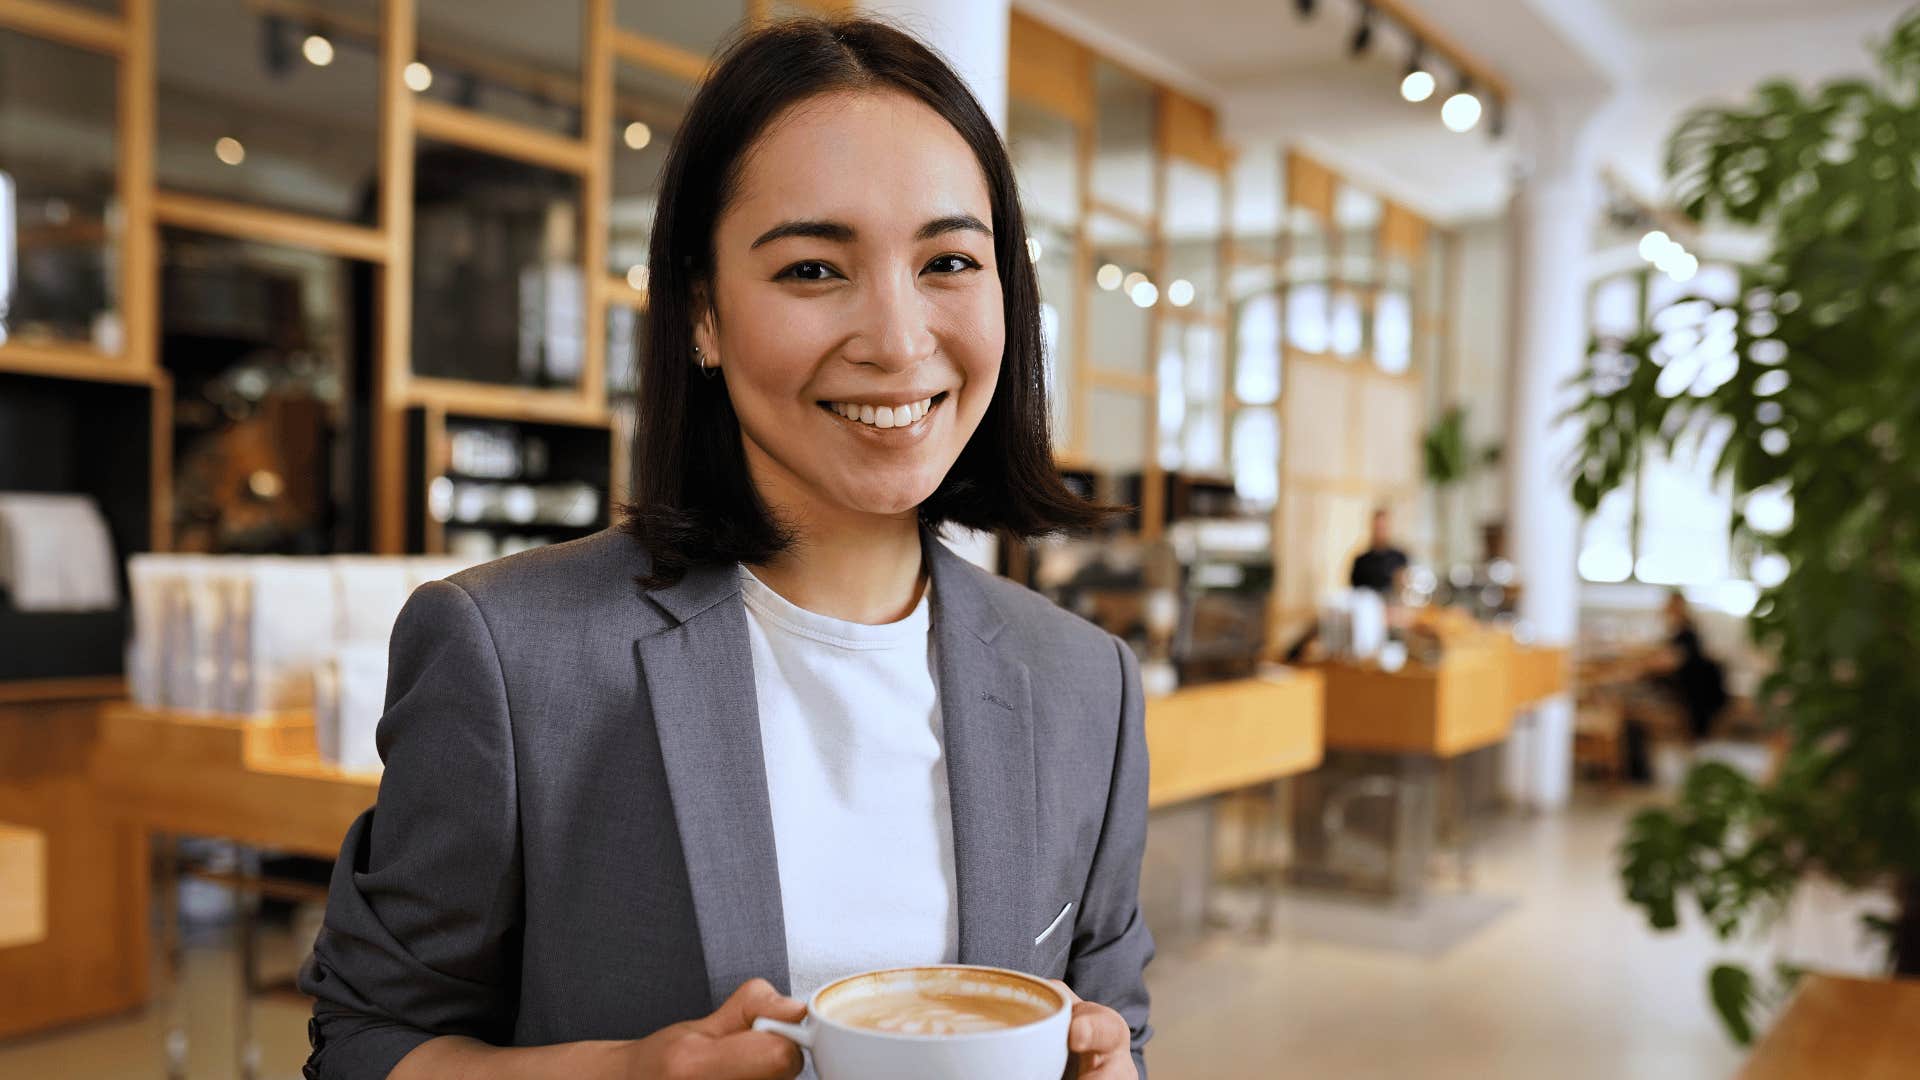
(1032, 1047)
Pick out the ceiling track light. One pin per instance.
(1363, 31)
(277, 44)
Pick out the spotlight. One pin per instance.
(1417, 86)
(1033, 249)
(1363, 32)
(637, 135)
(317, 49)
(1462, 110)
(1143, 293)
(418, 77)
(1109, 277)
(229, 150)
(1180, 292)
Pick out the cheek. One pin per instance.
(978, 339)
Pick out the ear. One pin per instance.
(706, 329)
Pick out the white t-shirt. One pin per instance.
(857, 778)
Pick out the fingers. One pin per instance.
(754, 999)
(1096, 1029)
(751, 1055)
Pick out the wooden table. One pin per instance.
(256, 780)
(23, 886)
(1860, 1029)
(1220, 737)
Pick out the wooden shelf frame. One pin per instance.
(68, 25)
(501, 138)
(244, 222)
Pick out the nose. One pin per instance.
(894, 333)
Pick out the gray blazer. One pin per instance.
(573, 838)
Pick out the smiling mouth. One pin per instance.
(884, 417)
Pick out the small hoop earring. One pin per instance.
(700, 361)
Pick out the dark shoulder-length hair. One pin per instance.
(694, 502)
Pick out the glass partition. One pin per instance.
(698, 28)
(522, 62)
(1123, 139)
(263, 109)
(1307, 273)
(1123, 292)
(497, 293)
(1046, 161)
(59, 214)
(1191, 225)
(648, 106)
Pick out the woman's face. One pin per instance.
(856, 309)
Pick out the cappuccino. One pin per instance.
(938, 1001)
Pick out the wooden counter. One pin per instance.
(1538, 672)
(23, 886)
(260, 781)
(1862, 1029)
(88, 957)
(1225, 736)
(1462, 703)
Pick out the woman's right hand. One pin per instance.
(722, 1046)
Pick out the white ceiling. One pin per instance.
(1281, 79)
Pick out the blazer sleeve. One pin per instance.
(1113, 946)
(421, 936)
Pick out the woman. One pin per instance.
(643, 787)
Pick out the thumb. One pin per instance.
(754, 999)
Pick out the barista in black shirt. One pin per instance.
(1380, 566)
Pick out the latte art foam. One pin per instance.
(928, 1013)
(939, 1000)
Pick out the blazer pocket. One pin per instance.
(1051, 944)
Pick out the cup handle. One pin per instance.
(798, 1033)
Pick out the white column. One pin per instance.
(1554, 210)
(970, 34)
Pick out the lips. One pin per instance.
(885, 416)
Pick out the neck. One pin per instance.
(864, 575)
(863, 568)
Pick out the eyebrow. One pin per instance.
(840, 233)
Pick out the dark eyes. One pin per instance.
(811, 270)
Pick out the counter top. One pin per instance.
(1218, 737)
(1859, 1028)
(259, 780)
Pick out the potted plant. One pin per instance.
(1815, 367)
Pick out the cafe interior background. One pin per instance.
(303, 303)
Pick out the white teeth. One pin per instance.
(884, 416)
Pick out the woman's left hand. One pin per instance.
(1099, 1041)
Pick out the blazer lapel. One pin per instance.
(699, 676)
(987, 716)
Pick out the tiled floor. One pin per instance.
(1567, 984)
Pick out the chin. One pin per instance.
(890, 500)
